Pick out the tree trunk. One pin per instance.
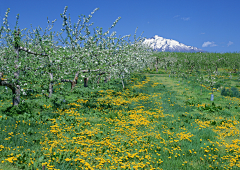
(50, 85)
(85, 82)
(122, 83)
(192, 68)
(156, 65)
(99, 77)
(16, 88)
(74, 82)
(16, 95)
(105, 80)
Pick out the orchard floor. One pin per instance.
(156, 123)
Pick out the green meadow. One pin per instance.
(159, 121)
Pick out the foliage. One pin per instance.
(192, 101)
(232, 92)
(210, 108)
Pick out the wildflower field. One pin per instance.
(156, 122)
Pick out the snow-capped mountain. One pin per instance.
(158, 43)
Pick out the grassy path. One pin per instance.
(154, 124)
(218, 131)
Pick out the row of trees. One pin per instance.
(205, 66)
(37, 59)
(190, 61)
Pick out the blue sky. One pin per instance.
(211, 25)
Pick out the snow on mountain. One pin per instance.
(158, 43)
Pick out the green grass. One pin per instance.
(156, 122)
(7, 166)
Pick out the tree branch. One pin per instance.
(31, 52)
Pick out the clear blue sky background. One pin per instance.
(212, 25)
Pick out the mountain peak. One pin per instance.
(156, 37)
(158, 43)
